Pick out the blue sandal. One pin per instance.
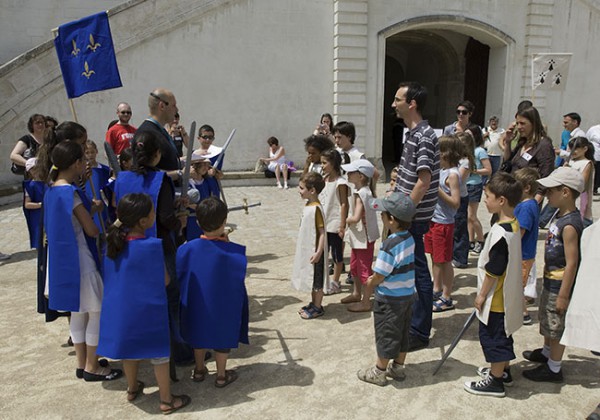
(442, 305)
(312, 312)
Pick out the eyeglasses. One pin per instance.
(462, 112)
(205, 137)
(154, 95)
(125, 112)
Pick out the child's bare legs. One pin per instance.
(221, 360)
(356, 291)
(474, 225)
(497, 368)
(317, 299)
(337, 271)
(436, 271)
(556, 349)
(285, 174)
(447, 279)
(365, 303)
(80, 354)
(161, 372)
(130, 367)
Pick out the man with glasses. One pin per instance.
(119, 135)
(162, 107)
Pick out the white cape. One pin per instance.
(513, 283)
(582, 323)
(302, 274)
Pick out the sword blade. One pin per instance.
(468, 322)
(244, 206)
(225, 146)
(112, 159)
(188, 161)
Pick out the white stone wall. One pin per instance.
(25, 24)
(271, 67)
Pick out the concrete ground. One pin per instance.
(293, 368)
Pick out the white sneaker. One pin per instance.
(279, 185)
(285, 186)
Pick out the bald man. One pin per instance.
(119, 135)
(162, 107)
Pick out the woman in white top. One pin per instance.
(276, 161)
(492, 145)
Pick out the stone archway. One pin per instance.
(431, 49)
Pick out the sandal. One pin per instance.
(199, 375)
(223, 381)
(312, 312)
(443, 304)
(185, 400)
(132, 395)
(437, 296)
(305, 307)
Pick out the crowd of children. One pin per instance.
(178, 298)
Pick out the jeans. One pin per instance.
(461, 233)
(420, 325)
(495, 161)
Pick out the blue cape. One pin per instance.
(63, 254)
(130, 182)
(134, 322)
(109, 192)
(214, 302)
(35, 190)
(100, 177)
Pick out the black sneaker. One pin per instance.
(535, 356)
(506, 376)
(471, 246)
(349, 279)
(477, 247)
(416, 343)
(489, 386)
(542, 373)
(527, 320)
(331, 269)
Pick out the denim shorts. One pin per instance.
(475, 191)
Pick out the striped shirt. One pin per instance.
(421, 152)
(396, 262)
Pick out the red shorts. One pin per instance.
(439, 242)
(361, 261)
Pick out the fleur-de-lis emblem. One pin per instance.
(87, 73)
(75, 49)
(93, 44)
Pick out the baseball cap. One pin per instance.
(397, 204)
(361, 165)
(569, 177)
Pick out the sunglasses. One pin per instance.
(205, 137)
(154, 95)
(125, 112)
(462, 112)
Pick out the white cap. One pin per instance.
(360, 165)
(566, 176)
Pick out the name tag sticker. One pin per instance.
(553, 230)
(526, 156)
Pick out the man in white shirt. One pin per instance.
(571, 122)
(593, 135)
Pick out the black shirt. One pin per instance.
(169, 160)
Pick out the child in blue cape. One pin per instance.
(134, 323)
(214, 302)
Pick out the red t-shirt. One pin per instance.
(119, 137)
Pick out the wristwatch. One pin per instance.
(180, 174)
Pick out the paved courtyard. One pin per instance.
(293, 368)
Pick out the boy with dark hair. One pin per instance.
(561, 261)
(499, 291)
(309, 271)
(214, 302)
(394, 283)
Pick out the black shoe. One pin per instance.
(349, 279)
(507, 379)
(79, 373)
(596, 353)
(535, 356)
(331, 269)
(92, 377)
(489, 386)
(416, 343)
(542, 373)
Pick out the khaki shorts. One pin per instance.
(552, 324)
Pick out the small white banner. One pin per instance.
(550, 71)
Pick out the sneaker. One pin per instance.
(471, 246)
(535, 356)
(279, 185)
(4, 257)
(506, 376)
(456, 264)
(477, 248)
(349, 279)
(542, 373)
(331, 269)
(373, 375)
(527, 320)
(395, 371)
(489, 386)
(334, 288)
(286, 186)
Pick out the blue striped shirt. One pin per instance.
(396, 261)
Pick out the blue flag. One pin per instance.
(86, 55)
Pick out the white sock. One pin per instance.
(554, 366)
(546, 351)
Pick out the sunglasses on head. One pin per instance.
(462, 112)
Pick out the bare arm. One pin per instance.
(587, 172)
(421, 187)
(86, 221)
(358, 211)
(486, 286)
(320, 246)
(571, 242)
(487, 168)
(30, 205)
(343, 197)
(452, 199)
(17, 153)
